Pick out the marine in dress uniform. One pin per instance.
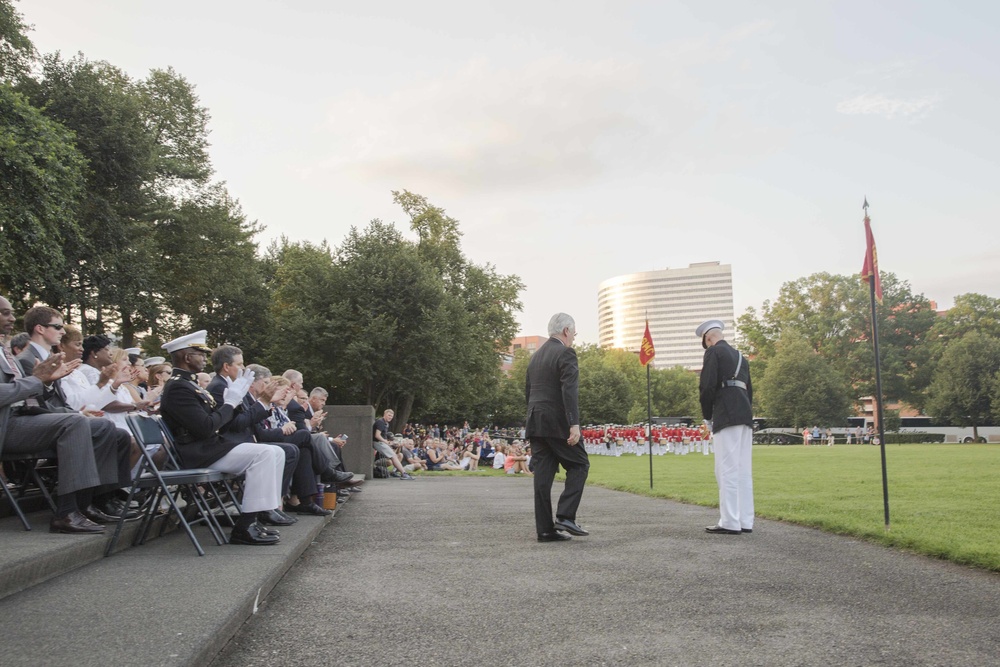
(726, 401)
(195, 419)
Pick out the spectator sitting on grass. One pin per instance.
(516, 461)
(470, 457)
(412, 460)
(436, 458)
(500, 457)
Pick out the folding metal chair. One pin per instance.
(29, 473)
(147, 431)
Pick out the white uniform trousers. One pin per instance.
(262, 464)
(734, 476)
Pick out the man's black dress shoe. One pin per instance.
(570, 527)
(268, 531)
(97, 516)
(311, 508)
(74, 522)
(286, 516)
(719, 530)
(252, 535)
(747, 530)
(274, 518)
(553, 537)
(114, 507)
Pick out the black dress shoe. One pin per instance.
(114, 507)
(268, 531)
(570, 527)
(286, 516)
(747, 530)
(74, 522)
(311, 508)
(553, 537)
(97, 516)
(274, 518)
(252, 535)
(719, 530)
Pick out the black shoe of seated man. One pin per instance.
(571, 527)
(113, 507)
(719, 530)
(268, 531)
(746, 530)
(553, 537)
(287, 516)
(97, 516)
(274, 518)
(74, 522)
(252, 534)
(311, 508)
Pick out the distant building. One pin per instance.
(677, 301)
(529, 343)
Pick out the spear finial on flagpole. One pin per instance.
(865, 205)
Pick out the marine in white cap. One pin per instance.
(152, 361)
(727, 405)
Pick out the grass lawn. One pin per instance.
(944, 500)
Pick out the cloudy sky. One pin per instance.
(576, 141)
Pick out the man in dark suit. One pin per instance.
(195, 419)
(227, 360)
(27, 427)
(553, 427)
(727, 404)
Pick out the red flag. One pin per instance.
(871, 261)
(646, 351)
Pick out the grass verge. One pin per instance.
(942, 498)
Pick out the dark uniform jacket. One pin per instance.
(725, 406)
(552, 391)
(194, 419)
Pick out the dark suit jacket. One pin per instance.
(552, 391)
(297, 414)
(725, 406)
(194, 419)
(13, 390)
(245, 417)
(52, 396)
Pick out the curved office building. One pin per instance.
(676, 300)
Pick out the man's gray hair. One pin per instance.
(319, 391)
(559, 322)
(292, 375)
(259, 372)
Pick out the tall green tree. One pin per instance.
(16, 50)
(832, 313)
(42, 176)
(801, 388)
(963, 386)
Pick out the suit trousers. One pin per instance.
(546, 456)
(733, 473)
(91, 452)
(262, 464)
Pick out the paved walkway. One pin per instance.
(446, 571)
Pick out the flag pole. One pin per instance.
(878, 387)
(649, 426)
(646, 354)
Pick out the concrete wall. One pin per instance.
(356, 421)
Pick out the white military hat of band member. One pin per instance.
(195, 340)
(133, 350)
(707, 326)
(152, 361)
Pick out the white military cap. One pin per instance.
(152, 361)
(195, 340)
(707, 326)
(133, 350)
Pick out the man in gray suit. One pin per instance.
(28, 427)
(553, 427)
